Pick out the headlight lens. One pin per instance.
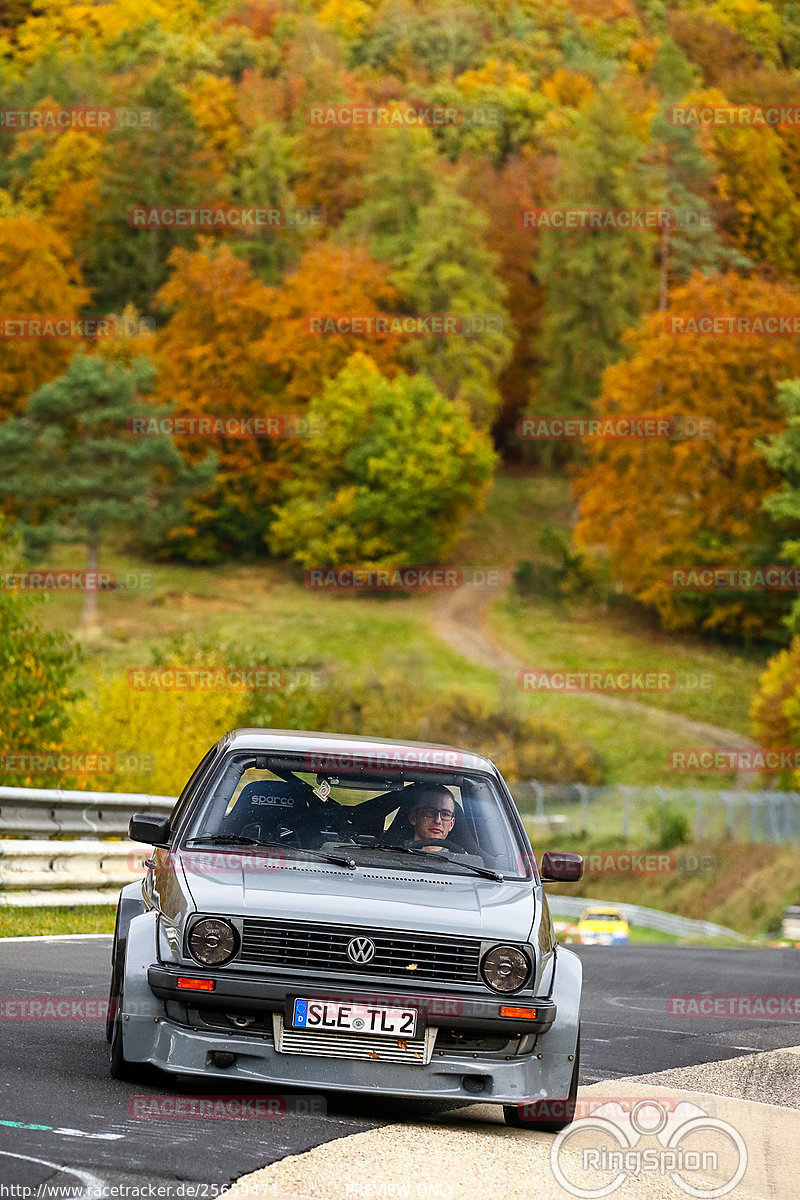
(213, 941)
(505, 968)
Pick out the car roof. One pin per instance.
(346, 746)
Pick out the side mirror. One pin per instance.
(150, 828)
(559, 866)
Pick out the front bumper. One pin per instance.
(150, 1035)
(244, 993)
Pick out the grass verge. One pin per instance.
(29, 922)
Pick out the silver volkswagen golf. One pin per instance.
(353, 914)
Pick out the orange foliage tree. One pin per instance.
(234, 346)
(210, 363)
(654, 504)
(330, 280)
(37, 279)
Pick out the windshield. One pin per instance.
(421, 819)
(602, 916)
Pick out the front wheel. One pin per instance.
(548, 1116)
(118, 1065)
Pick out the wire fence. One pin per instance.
(631, 811)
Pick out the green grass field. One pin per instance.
(271, 618)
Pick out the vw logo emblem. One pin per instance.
(360, 950)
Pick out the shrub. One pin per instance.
(668, 826)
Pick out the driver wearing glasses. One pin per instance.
(432, 816)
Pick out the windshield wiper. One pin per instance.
(223, 839)
(319, 855)
(487, 872)
(236, 839)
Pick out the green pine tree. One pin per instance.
(416, 220)
(76, 471)
(449, 269)
(597, 282)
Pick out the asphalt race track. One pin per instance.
(54, 1074)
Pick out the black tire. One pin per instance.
(538, 1115)
(114, 988)
(118, 1065)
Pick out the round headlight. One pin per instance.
(212, 941)
(505, 968)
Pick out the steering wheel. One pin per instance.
(446, 843)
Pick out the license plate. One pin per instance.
(323, 1015)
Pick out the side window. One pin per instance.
(187, 795)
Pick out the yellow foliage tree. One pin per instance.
(155, 737)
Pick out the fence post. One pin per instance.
(698, 813)
(753, 819)
(583, 792)
(626, 810)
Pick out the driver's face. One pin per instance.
(434, 819)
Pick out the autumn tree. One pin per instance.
(653, 504)
(433, 242)
(597, 282)
(450, 269)
(37, 279)
(211, 361)
(331, 280)
(503, 195)
(775, 708)
(398, 472)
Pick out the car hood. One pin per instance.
(300, 890)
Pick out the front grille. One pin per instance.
(415, 1052)
(416, 957)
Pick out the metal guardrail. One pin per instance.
(30, 811)
(651, 918)
(41, 870)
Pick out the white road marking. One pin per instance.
(92, 1184)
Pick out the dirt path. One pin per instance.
(460, 619)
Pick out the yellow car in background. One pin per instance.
(603, 927)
